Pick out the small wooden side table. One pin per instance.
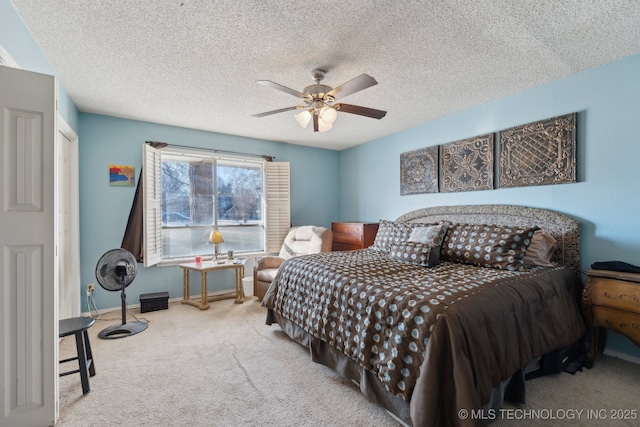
(611, 300)
(204, 268)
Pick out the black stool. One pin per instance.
(78, 326)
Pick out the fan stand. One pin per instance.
(126, 328)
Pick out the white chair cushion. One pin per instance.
(302, 240)
(266, 275)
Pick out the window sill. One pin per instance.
(177, 261)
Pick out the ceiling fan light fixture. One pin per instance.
(328, 114)
(303, 118)
(323, 126)
(319, 100)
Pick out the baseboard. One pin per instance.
(132, 306)
(621, 355)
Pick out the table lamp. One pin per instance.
(216, 238)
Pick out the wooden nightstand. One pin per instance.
(611, 300)
(348, 236)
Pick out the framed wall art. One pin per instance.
(122, 176)
(419, 171)
(538, 153)
(467, 165)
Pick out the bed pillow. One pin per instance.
(428, 234)
(415, 253)
(541, 249)
(391, 232)
(486, 245)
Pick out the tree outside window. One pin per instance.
(189, 202)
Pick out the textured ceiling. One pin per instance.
(194, 63)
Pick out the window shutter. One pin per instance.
(278, 204)
(151, 164)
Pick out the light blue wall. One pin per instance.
(19, 43)
(104, 140)
(104, 210)
(606, 199)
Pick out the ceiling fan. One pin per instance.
(320, 100)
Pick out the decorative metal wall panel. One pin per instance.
(467, 165)
(419, 171)
(539, 153)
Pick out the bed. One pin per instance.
(441, 314)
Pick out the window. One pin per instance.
(188, 193)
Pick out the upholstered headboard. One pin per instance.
(564, 229)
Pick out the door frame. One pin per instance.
(74, 207)
(6, 59)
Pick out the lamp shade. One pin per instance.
(328, 114)
(303, 118)
(323, 126)
(216, 237)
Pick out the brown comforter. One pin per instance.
(440, 337)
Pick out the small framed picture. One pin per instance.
(122, 176)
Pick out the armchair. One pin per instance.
(302, 240)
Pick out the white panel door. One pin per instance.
(28, 272)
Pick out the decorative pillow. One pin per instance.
(540, 250)
(415, 253)
(391, 232)
(428, 234)
(485, 245)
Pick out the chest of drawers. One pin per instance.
(348, 236)
(611, 300)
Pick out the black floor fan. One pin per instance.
(115, 270)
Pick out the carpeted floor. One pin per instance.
(225, 367)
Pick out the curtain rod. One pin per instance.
(158, 145)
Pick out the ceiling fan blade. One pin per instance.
(281, 110)
(361, 82)
(361, 111)
(269, 83)
(315, 123)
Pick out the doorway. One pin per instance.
(69, 289)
